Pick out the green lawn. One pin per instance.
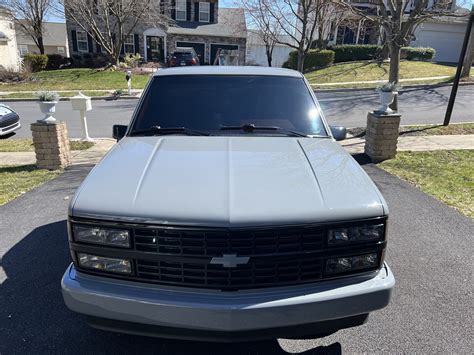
(446, 175)
(77, 79)
(26, 145)
(367, 71)
(16, 180)
(425, 130)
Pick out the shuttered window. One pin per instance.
(129, 44)
(181, 10)
(204, 11)
(82, 42)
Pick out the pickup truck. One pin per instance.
(227, 211)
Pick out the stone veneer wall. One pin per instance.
(382, 136)
(51, 145)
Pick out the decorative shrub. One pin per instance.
(355, 52)
(47, 96)
(55, 61)
(35, 62)
(313, 59)
(12, 76)
(418, 53)
(132, 60)
(90, 60)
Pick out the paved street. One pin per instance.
(430, 251)
(349, 108)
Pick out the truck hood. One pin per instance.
(227, 181)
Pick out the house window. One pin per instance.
(204, 11)
(82, 44)
(129, 44)
(23, 49)
(60, 50)
(181, 10)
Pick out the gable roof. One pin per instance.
(231, 23)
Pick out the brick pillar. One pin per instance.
(381, 136)
(51, 145)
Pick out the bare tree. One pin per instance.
(399, 20)
(29, 16)
(296, 23)
(266, 27)
(109, 22)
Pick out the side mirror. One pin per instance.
(119, 131)
(338, 132)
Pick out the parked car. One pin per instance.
(232, 215)
(184, 57)
(9, 120)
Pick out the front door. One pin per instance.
(155, 49)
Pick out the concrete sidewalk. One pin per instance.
(382, 81)
(352, 144)
(417, 143)
(89, 156)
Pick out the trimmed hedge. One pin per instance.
(56, 61)
(355, 52)
(35, 62)
(418, 53)
(313, 59)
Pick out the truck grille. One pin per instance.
(255, 274)
(276, 257)
(210, 243)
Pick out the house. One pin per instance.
(198, 24)
(54, 39)
(9, 59)
(444, 34)
(256, 50)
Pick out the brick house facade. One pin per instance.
(198, 24)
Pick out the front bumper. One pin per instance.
(7, 130)
(225, 313)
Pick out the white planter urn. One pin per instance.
(48, 108)
(386, 99)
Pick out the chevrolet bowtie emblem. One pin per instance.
(230, 260)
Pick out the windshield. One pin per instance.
(211, 102)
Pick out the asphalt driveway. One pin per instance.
(430, 251)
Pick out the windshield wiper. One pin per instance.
(157, 130)
(250, 127)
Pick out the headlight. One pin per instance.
(367, 233)
(351, 263)
(99, 235)
(120, 266)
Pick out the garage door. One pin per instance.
(198, 47)
(216, 47)
(445, 38)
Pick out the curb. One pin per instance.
(105, 98)
(420, 86)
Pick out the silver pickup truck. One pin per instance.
(227, 211)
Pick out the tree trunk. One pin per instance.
(394, 71)
(40, 45)
(300, 64)
(269, 56)
(466, 70)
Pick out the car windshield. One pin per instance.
(213, 102)
(182, 55)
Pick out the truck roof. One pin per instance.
(228, 70)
